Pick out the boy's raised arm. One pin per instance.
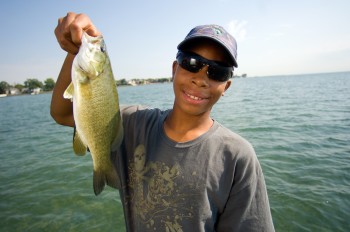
(68, 34)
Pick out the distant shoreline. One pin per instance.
(24, 94)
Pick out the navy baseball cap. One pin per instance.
(217, 34)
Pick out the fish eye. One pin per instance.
(102, 49)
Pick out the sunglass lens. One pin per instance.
(190, 63)
(219, 73)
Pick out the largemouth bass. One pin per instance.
(98, 125)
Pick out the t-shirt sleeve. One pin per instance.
(247, 208)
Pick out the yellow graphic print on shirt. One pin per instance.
(155, 196)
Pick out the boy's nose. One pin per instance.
(201, 77)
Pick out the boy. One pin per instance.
(180, 170)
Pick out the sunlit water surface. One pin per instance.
(299, 126)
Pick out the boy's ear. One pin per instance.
(228, 84)
(174, 69)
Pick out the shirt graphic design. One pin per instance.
(157, 196)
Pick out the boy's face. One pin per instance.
(195, 93)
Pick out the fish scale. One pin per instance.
(96, 110)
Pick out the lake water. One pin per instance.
(299, 126)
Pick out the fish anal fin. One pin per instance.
(78, 146)
(100, 180)
(68, 94)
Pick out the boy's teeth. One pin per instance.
(194, 97)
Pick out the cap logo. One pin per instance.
(217, 31)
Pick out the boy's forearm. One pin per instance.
(62, 109)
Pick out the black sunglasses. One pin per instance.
(192, 62)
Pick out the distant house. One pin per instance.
(36, 91)
(26, 90)
(132, 82)
(14, 91)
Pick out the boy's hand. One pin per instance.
(70, 30)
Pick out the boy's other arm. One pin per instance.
(62, 109)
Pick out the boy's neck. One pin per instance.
(182, 128)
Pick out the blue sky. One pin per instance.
(275, 37)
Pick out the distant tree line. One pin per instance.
(28, 86)
(143, 81)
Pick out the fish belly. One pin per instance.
(98, 122)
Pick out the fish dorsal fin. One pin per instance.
(78, 146)
(68, 94)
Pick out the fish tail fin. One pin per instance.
(99, 182)
(100, 179)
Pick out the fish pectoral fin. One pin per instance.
(68, 94)
(78, 146)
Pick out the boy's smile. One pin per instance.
(195, 97)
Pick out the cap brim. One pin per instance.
(233, 60)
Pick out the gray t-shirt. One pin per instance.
(212, 183)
